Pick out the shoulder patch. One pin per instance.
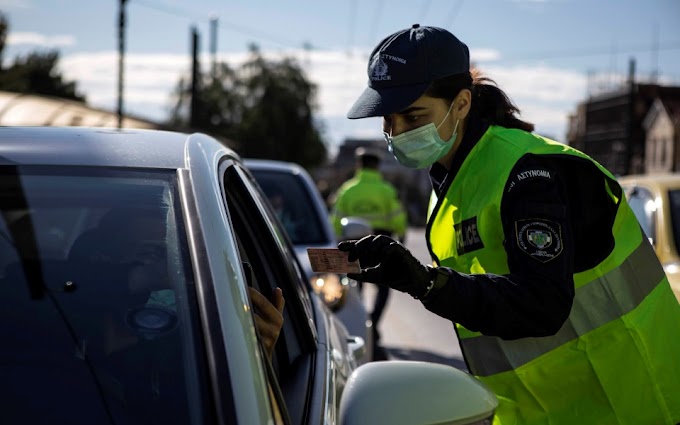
(530, 174)
(539, 238)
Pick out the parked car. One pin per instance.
(124, 272)
(302, 212)
(655, 200)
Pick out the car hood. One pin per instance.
(674, 280)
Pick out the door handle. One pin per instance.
(357, 346)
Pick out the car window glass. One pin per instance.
(270, 268)
(643, 205)
(264, 264)
(293, 205)
(674, 208)
(97, 299)
(297, 275)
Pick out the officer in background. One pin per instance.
(560, 303)
(367, 195)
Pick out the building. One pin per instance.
(662, 142)
(610, 127)
(19, 109)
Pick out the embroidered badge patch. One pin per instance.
(467, 236)
(539, 238)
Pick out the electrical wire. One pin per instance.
(424, 10)
(585, 52)
(352, 25)
(377, 14)
(225, 26)
(453, 14)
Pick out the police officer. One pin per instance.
(560, 304)
(367, 195)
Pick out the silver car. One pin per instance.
(302, 212)
(124, 272)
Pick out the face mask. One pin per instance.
(421, 147)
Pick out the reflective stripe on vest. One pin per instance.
(617, 357)
(631, 282)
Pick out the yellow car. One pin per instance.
(655, 200)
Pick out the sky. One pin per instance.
(547, 55)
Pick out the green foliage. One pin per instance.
(34, 73)
(266, 106)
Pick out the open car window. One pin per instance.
(642, 202)
(270, 263)
(293, 205)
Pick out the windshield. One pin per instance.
(294, 206)
(674, 206)
(96, 299)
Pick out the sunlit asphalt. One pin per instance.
(408, 330)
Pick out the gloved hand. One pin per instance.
(387, 262)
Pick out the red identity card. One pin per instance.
(331, 260)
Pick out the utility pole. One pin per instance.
(213, 44)
(121, 56)
(193, 112)
(630, 121)
(655, 54)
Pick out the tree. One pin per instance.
(34, 73)
(267, 106)
(219, 103)
(4, 27)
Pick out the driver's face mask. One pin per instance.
(156, 316)
(421, 147)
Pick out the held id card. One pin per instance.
(331, 260)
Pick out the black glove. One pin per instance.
(387, 262)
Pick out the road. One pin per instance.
(407, 329)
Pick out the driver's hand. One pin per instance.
(268, 317)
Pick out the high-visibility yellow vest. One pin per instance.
(616, 360)
(370, 197)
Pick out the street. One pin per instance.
(407, 329)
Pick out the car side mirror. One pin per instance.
(408, 392)
(355, 228)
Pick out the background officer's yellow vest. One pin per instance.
(616, 360)
(370, 197)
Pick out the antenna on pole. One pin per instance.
(611, 78)
(213, 44)
(655, 53)
(193, 111)
(121, 59)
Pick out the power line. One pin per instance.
(453, 13)
(169, 10)
(551, 54)
(225, 26)
(594, 51)
(352, 25)
(377, 14)
(424, 10)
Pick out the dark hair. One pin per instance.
(369, 161)
(489, 102)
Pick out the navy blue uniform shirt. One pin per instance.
(559, 196)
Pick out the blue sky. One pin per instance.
(541, 52)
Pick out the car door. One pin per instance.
(642, 202)
(311, 361)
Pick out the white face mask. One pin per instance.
(421, 147)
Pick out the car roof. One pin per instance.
(659, 180)
(82, 146)
(272, 165)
